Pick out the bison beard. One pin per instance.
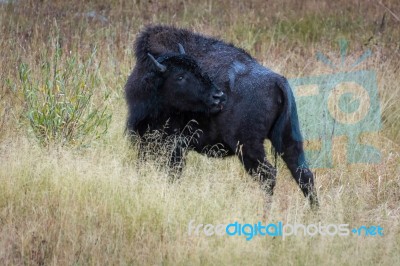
(236, 103)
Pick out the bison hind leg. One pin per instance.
(254, 161)
(293, 155)
(267, 176)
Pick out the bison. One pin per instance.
(236, 103)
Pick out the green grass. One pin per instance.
(63, 204)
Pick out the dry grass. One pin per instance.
(71, 205)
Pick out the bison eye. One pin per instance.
(180, 78)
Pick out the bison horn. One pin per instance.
(181, 50)
(160, 66)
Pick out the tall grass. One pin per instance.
(62, 77)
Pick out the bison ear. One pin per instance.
(181, 50)
(159, 66)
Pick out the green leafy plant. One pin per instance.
(60, 99)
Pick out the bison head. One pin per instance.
(185, 87)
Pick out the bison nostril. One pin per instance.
(218, 95)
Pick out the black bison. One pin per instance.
(237, 103)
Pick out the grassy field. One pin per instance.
(72, 191)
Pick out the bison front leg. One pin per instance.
(177, 159)
(255, 162)
(293, 155)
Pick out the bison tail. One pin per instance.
(288, 119)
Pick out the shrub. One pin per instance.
(59, 100)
